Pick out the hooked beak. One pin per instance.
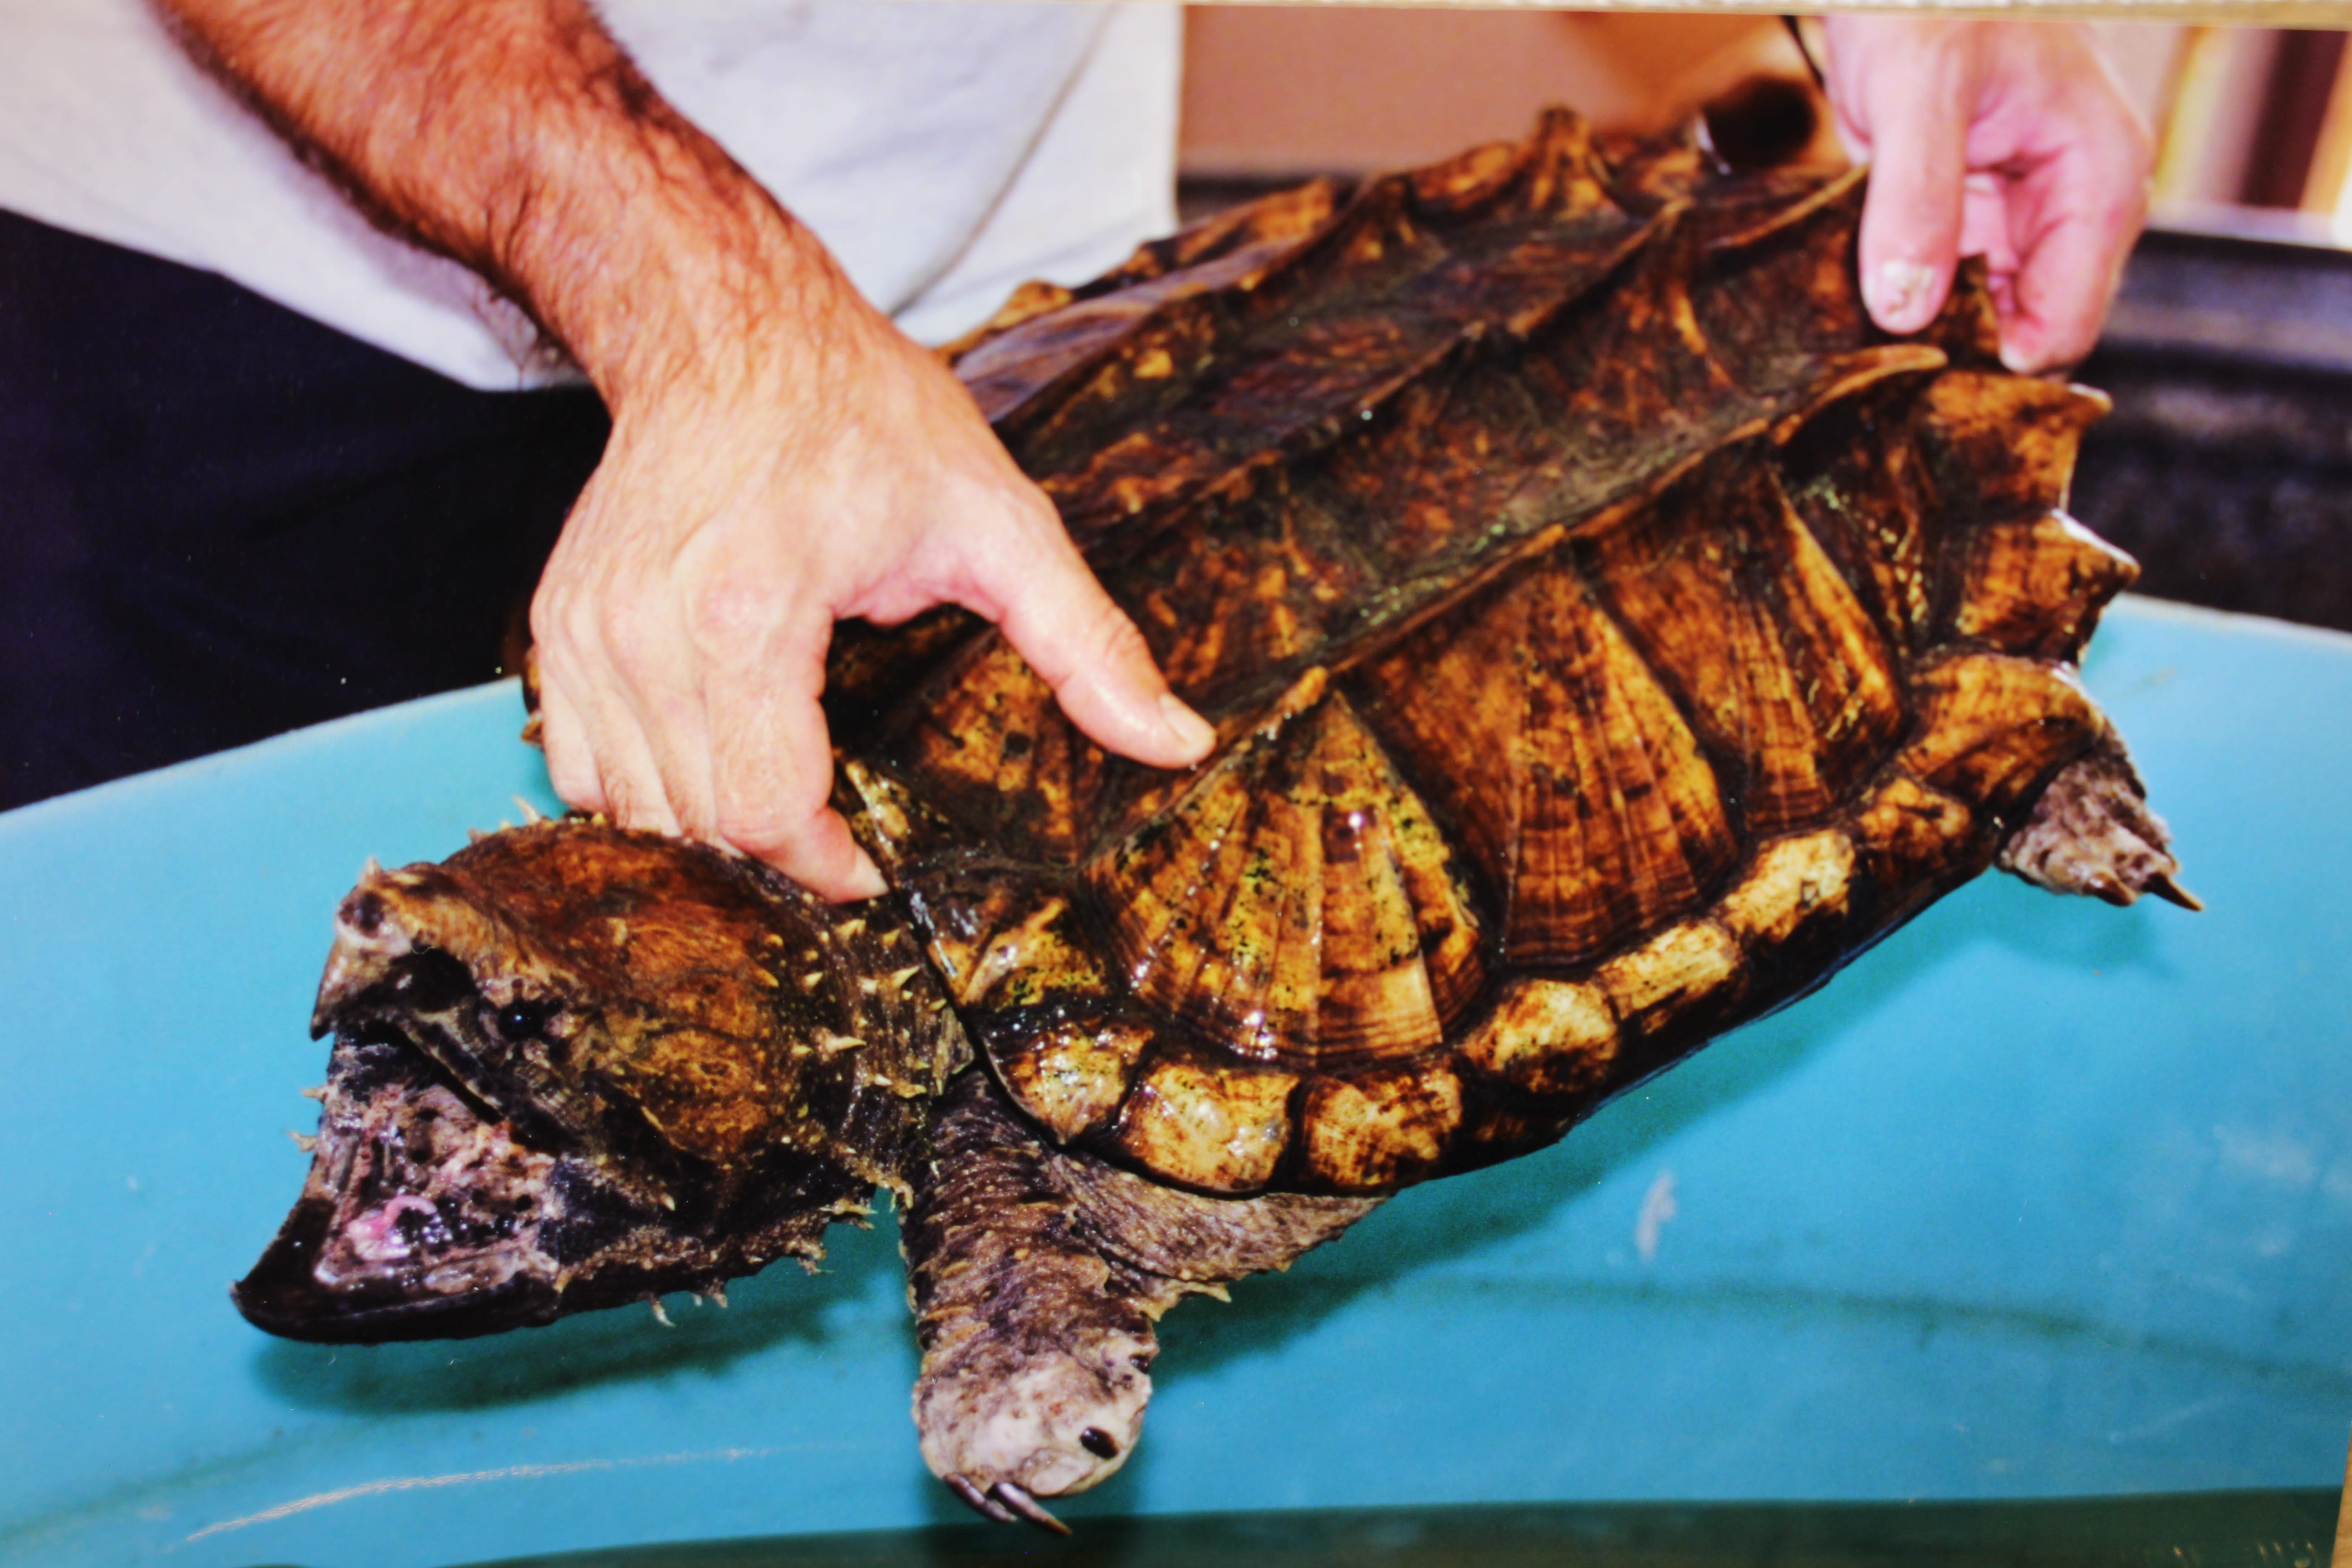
(282, 1296)
(422, 1216)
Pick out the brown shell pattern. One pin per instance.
(1608, 633)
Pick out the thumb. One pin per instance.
(1057, 617)
(1918, 122)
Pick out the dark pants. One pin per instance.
(220, 520)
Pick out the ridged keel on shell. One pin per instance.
(1607, 632)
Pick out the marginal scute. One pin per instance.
(2035, 585)
(1909, 836)
(1992, 728)
(1071, 1074)
(1791, 883)
(1216, 1127)
(1375, 1131)
(1695, 968)
(1546, 1036)
(2003, 446)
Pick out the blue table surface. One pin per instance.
(2041, 1198)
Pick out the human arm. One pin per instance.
(782, 457)
(2004, 139)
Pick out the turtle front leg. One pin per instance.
(1036, 1275)
(1036, 1357)
(2091, 832)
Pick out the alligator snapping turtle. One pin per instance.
(1609, 634)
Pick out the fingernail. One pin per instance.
(1195, 734)
(1897, 294)
(865, 882)
(2017, 360)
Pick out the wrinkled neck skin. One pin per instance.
(588, 1067)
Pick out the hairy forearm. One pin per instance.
(517, 136)
(782, 457)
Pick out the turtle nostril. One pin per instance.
(1098, 1443)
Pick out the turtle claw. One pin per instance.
(1016, 1498)
(2092, 833)
(981, 1502)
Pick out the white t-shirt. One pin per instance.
(945, 149)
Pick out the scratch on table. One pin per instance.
(1657, 1207)
(472, 1478)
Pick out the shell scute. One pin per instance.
(1858, 483)
(1913, 841)
(1222, 1126)
(1686, 978)
(1731, 597)
(1781, 282)
(1255, 582)
(1298, 902)
(1072, 1074)
(1548, 1037)
(1001, 940)
(1993, 728)
(992, 753)
(1375, 1131)
(1793, 883)
(1277, 361)
(2035, 585)
(2003, 446)
(1592, 810)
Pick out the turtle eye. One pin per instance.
(519, 1021)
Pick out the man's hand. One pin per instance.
(738, 512)
(780, 456)
(2007, 140)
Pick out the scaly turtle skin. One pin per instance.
(1608, 634)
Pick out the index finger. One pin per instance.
(1918, 128)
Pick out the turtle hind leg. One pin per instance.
(1036, 1277)
(2091, 832)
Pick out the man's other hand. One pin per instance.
(2007, 140)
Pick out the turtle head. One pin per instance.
(574, 1067)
